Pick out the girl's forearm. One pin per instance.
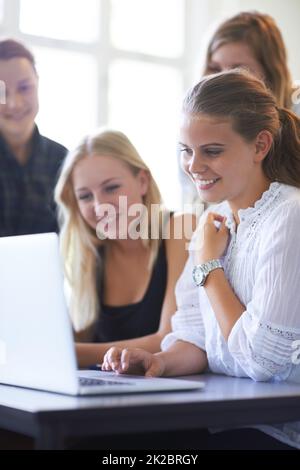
(183, 358)
(225, 304)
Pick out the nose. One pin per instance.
(98, 208)
(196, 164)
(13, 101)
(102, 207)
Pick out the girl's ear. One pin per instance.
(144, 180)
(263, 144)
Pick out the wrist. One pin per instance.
(205, 257)
(161, 360)
(202, 271)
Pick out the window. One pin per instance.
(157, 24)
(144, 103)
(121, 63)
(1, 10)
(68, 93)
(61, 19)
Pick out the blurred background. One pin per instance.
(127, 64)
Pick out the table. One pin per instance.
(225, 401)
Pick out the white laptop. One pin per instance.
(36, 341)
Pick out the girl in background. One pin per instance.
(254, 41)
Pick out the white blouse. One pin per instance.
(262, 264)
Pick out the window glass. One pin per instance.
(76, 20)
(68, 94)
(149, 26)
(144, 102)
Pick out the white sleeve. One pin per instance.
(187, 323)
(262, 339)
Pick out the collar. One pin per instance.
(36, 143)
(250, 213)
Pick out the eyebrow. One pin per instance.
(214, 63)
(102, 184)
(216, 144)
(24, 80)
(236, 66)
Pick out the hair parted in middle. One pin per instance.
(261, 34)
(79, 242)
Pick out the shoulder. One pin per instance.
(53, 149)
(51, 156)
(287, 209)
(55, 146)
(282, 224)
(180, 227)
(180, 230)
(182, 222)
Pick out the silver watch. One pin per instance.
(201, 271)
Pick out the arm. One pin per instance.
(182, 358)
(183, 348)
(261, 334)
(225, 304)
(176, 253)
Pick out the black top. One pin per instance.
(139, 319)
(26, 191)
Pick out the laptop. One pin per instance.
(36, 339)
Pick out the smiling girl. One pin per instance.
(238, 297)
(122, 287)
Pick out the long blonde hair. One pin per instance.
(79, 243)
(260, 32)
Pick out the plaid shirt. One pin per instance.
(26, 191)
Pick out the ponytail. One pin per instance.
(252, 108)
(283, 162)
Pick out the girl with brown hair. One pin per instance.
(254, 41)
(238, 297)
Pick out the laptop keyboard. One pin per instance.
(87, 381)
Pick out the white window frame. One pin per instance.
(103, 51)
(197, 13)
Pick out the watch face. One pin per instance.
(198, 275)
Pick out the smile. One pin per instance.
(206, 184)
(17, 117)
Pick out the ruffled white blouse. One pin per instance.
(262, 264)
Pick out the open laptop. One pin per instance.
(36, 340)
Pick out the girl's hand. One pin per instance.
(211, 242)
(133, 361)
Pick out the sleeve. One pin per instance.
(264, 338)
(187, 322)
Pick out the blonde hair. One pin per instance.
(79, 243)
(261, 33)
